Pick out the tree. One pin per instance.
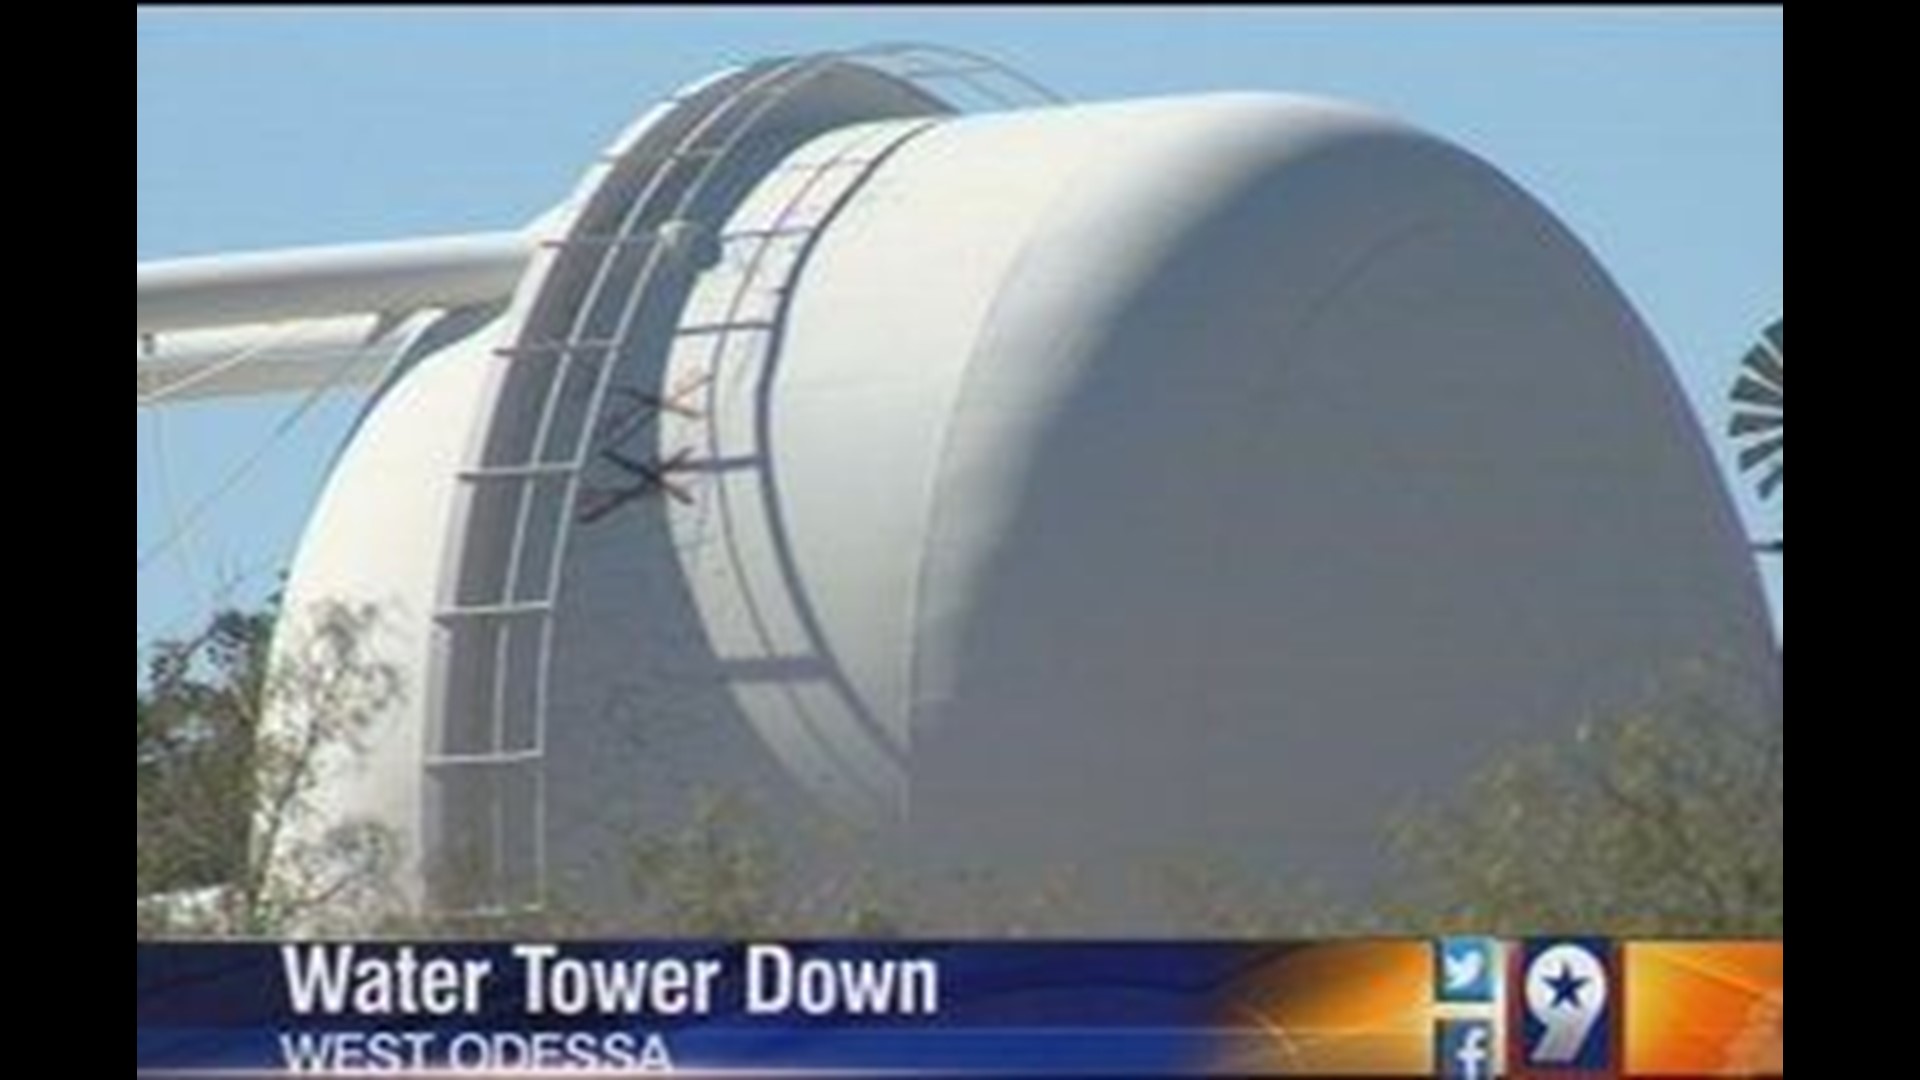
(1664, 821)
(235, 738)
(1667, 821)
(197, 723)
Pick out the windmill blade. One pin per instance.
(1759, 420)
(1759, 454)
(1756, 423)
(1769, 368)
(1751, 391)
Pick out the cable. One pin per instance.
(245, 469)
(170, 509)
(208, 374)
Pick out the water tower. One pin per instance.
(1093, 484)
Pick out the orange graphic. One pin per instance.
(1349, 1010)
(1706, 1010)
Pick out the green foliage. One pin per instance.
(195, 754)
(235, 740)
(722, 875)
(717, 877)
(1665, 822)
(326, 690)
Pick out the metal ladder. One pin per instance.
(487, 765)
(488, 769)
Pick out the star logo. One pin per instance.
(1563, 1018)
(1566, 988)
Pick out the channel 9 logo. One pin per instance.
(1565, 1010)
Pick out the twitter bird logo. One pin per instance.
(1466, 971)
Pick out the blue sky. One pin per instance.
(1658, 135)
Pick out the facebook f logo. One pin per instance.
(1465, 1050)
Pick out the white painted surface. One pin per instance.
(1206, 475)
(379, 536)
(360, 279)
(1124, 484)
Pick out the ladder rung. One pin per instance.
(549, 348)
(751, 326)
(954, 71)
(835, 163)
(778, 233)
(696, 154)
(600, 242)
(476, 761)
(827, 165)
(521, 472)
(523, 609)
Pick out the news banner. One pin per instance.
(1455, 1009)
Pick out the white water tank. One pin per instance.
(1109, 485)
